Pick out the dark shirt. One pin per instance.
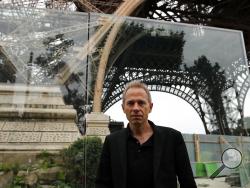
(139, 163)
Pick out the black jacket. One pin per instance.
(170, 160)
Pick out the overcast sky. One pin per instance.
(172, 111)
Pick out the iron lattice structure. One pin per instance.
(162, 77)
(102, 6)
(219, 13)
(157, 62)
(231, 14)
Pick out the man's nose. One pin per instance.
(136, 106)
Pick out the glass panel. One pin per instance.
(51, 69)
(178, 54)
(45, 91)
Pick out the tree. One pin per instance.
(81, 160)
(214, 83)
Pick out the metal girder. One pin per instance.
(159, 68)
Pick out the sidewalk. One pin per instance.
(215, 183)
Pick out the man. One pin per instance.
(143, 155)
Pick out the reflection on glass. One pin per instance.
(49, 62)
(195, 67)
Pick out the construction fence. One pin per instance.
(205, 153)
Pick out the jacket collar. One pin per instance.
(129, 132)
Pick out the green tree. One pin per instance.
(211, 78)
(81, 160)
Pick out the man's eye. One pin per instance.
(130, 103)
(141, 103)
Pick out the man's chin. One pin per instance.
(136, 122)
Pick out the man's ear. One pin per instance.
(151, 106)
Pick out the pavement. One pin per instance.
(215, 183)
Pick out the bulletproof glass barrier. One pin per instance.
(60, 70)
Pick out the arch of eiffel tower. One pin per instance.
(90, 57)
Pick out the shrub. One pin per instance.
(8, 167)
(81, 160)
(46, 159)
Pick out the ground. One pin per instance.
(215, 183)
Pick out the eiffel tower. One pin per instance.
(171, 76)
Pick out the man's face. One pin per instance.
(136, 106)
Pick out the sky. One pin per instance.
(172, 111)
